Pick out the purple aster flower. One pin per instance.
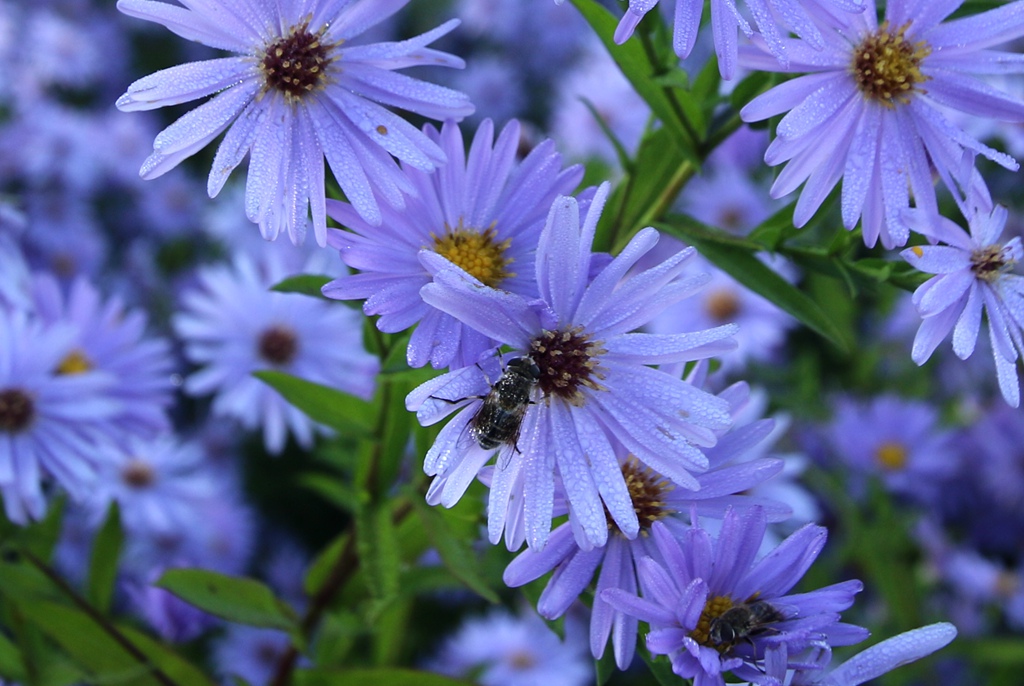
(762, 325)
(501, 649)
(973, 275)
(252, 653)
(901, 441)
(233, 325)
(112, 339)
(52, 424)
(655, 499)
(879, 659)
(599, 81)
(484, 212)
(773, 19)
(158, 485)
(871, 110)
(713, 608)
(592, 388)
(15, 281)
(297, 90)
(171, 617)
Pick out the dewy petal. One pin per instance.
(783, 567)
(195, 129)
(183, 83)
(568, 582)
(646, 348)
(932, 332)
(979, 31)
(945, 293)
(501, 315)
(189, 25)
(965, 335)
(644, 610)
(530, 564)
(236, 143)
(937, 259)
(970, 95)
(586, 511)
(891, 653)
(786, 96)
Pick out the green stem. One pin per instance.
(99, 619)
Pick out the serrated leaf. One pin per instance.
(378, 551)
(236, 599)
(641, 73)
(373, 677)
(342, 412)
(735, 257)
(103, 562)
(456, 555)
(306, 284)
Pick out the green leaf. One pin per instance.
(373, 677)
(106, 553)
(11, 666)
(236, 599)
(641, 73)
(320, 569)
(331, 488)
(735, 256)
(653, 182)
(605, 667)
(661, 669)
(92, 648)
(378, 551)
(306, 284)
(342, 412)
(454, 549)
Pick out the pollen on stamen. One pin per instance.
(294, 65)
(569, 361)
(647, 489)
(478, 253)
(887, 67)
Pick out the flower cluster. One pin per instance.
(577, 311)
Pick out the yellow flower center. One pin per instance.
(891, 456)
(887, 67)
(76, 362)
(478, 253)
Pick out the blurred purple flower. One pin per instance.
(112, 339)
(233, 325)
(594, 388)
(297, 90)
(901, 441)
(501, 649)
(52, 424)
(973, 275)
(484, 212)
(252, 653)
(871, 110)
(159, 485)
(699, 580)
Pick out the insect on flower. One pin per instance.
(501, 415)
(742, 621)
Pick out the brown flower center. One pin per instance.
(480, 254)
(568, 361)
(647, 489)
(887, 67)
(990, 262)
(295, 64)
(16, 410)
(522, 660)
(278, 345)
(722, 304)
(138, 473)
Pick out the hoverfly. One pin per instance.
(500, 416)
(742, 621)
